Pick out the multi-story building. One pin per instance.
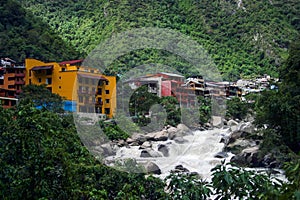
(85, 89)
(166, 84)
(11, 82)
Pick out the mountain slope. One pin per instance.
(244, 37)
(23, 35)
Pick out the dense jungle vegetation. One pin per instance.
(41, 155)
(247, 38)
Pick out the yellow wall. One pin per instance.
(65, 78)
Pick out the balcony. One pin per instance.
(20, 82)
(20, 75)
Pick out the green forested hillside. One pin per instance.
(244, 37)
(24, 35)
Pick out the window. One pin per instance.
(100, 83)
(107, 111)
(59, 77)
(1, 81)
(49, 81)
(91, 110)
(63, 69)
(80, 80)
(11, 78)
(100, 100)
(106, 100)
(106, 82)
(80, 99)
(86, 81)
(13, 103)
(82, 109)
(59, 87)
(11, 87)
(99, 91)
(106, 91)
(48, 71)
(29, 81)
(29, 72)
(39, 80)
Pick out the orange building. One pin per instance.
(11, 82)
(85, 89)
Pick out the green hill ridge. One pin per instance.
(243, 37)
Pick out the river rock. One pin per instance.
(161, 136)
(180, 168)
(152, 168)
(146, 145)
(150, 153)
(139, 138)
(180, 140)
(237, 146)
(232, 123)
(121, 143)
(107, 149)
(248, 157)
(246, 127)
(163, 149)
(221, 155)
(183, 129)
(217, 121)
(130, 140)
(172, 132)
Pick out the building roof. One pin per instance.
(98, 77)
(71, 62)
(171, 74)
(42, 67)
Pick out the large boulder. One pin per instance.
(161, 136)
(248, 157)
(163, 149)
(152, 168)
(146, 145)
(157, 136)
(180, 140)
(172, 132)
(139, 138)
(180, 168)
(217, 121)
(221, 154)
(107, 149)
(149, 153)
(183, 129)
(246, 127)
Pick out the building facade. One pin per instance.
(11, 82)
(85, 89)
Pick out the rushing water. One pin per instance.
(196, 153)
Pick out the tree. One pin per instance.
(236, 108)
(41, 98)
(204, 109)
(171, 106)
(280, 109)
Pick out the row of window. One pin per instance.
(90, 109)
(81, 99)
(92, 81)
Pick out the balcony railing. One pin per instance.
(20, 82)
(20, 75)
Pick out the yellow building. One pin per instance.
(85, 89)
